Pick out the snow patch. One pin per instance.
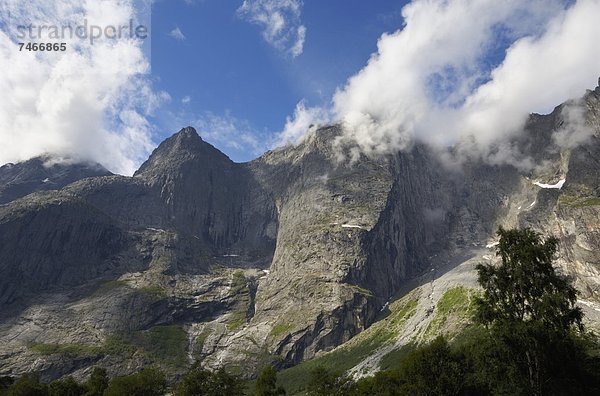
(558, 185)
(231, 255)
(265, 274)
(352, 226)
(46, 180)
(491, 245)
(533, 203)
(155, 229)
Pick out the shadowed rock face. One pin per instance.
(269, 261)
(210, 197)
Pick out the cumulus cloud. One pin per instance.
(430, 81)
(280, 21)
(177, 34)
(91, 101)
(303, 120)
(186, 99)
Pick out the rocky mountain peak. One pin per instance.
(184, 146)
(187, 135)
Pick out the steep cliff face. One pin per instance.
(277, 260)
(52, 238)
(208, 196)
(308, 301)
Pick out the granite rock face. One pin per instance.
(273, 261)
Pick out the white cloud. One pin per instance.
(280, 21)
(177, 34)
(90, 101)
(297, 126)
(425, 81)
(298, 47)
(186, 99)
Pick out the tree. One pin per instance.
(65, 387)
(324, 382)
(148, 382)
(433, 370)
(384, 383)
(97, 384)
(530, 313)
(28, 385)
(525, 287)
(266, 383)
(201, 382)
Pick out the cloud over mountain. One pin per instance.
(92, 100)
(469, 73)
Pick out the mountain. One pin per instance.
(41, 174)
(281, 259)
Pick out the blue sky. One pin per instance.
(225, 67)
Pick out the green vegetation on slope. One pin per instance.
(453, 312)
(164, 343)
(154, 290)
(578, 196)
(391, 359)
(72, 350)
(281, 328)
(240, 289)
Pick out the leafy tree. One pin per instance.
(324, 382)
(384, 383)
(148, 382)
(531, 314)
(97, 384)
(525, 287)
(28, 385)
(65, 387)
(433, 370)
(266, 383)
(201, 382)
